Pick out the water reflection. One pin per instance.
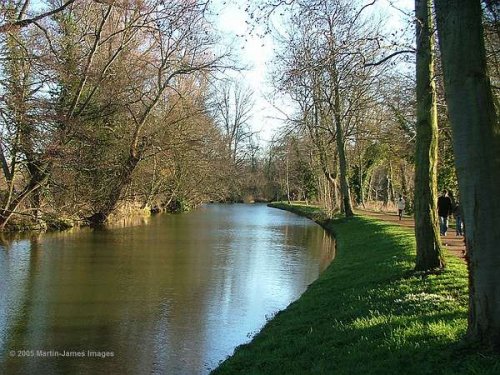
(173, 297)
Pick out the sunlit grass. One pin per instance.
(369, 313)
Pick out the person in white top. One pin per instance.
(401, 206)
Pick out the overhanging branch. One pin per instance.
(389, 57)
(9, 26)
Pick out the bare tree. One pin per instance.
(326, 53)
(177, 44)
(89, 89)
(232, 108)
(26, 130)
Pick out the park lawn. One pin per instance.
(369, 313)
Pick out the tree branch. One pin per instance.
(9, 26)
(389, 57)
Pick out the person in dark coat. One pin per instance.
(445, 209)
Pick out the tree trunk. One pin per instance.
(344, 185)
(122, 181)
(287, 180)
(390, 194)
(387, 194)
(476, 141)
(370, 188)
(429, 253)
(36, 181)
(361, 183)
(404, 184)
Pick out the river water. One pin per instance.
(173, 296)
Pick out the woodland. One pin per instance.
(114, 107)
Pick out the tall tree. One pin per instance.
(177, 44)
(476, 140)
(23, 125)
(88, 92)
(324, 58)
(231, 107)
(429, 253)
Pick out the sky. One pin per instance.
(256, 53)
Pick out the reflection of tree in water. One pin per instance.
(48, 320)
(313, 238)
(18, 314)
(153, 294)
(328, 252)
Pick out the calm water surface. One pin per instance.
(175, 296)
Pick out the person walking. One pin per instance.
(445, 209)
(401, 206)
(457, 214)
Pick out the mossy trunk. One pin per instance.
(429, 253)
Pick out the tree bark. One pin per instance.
(390, 195)
(476, 141)
(122, 181)
(344, 184)
(287, 177)
(387, 194)
(404, 184)
(37, 179)
(361, 183)
(429, 252)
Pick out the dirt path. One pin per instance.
(453, 243)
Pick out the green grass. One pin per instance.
(369, 313)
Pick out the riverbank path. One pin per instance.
(452, 243)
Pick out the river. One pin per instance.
(173, 296)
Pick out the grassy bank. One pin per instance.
(368, 313)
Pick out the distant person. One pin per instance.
(401, 206)
(445, 209)
(457, 213)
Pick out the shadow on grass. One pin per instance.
(369, 314)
